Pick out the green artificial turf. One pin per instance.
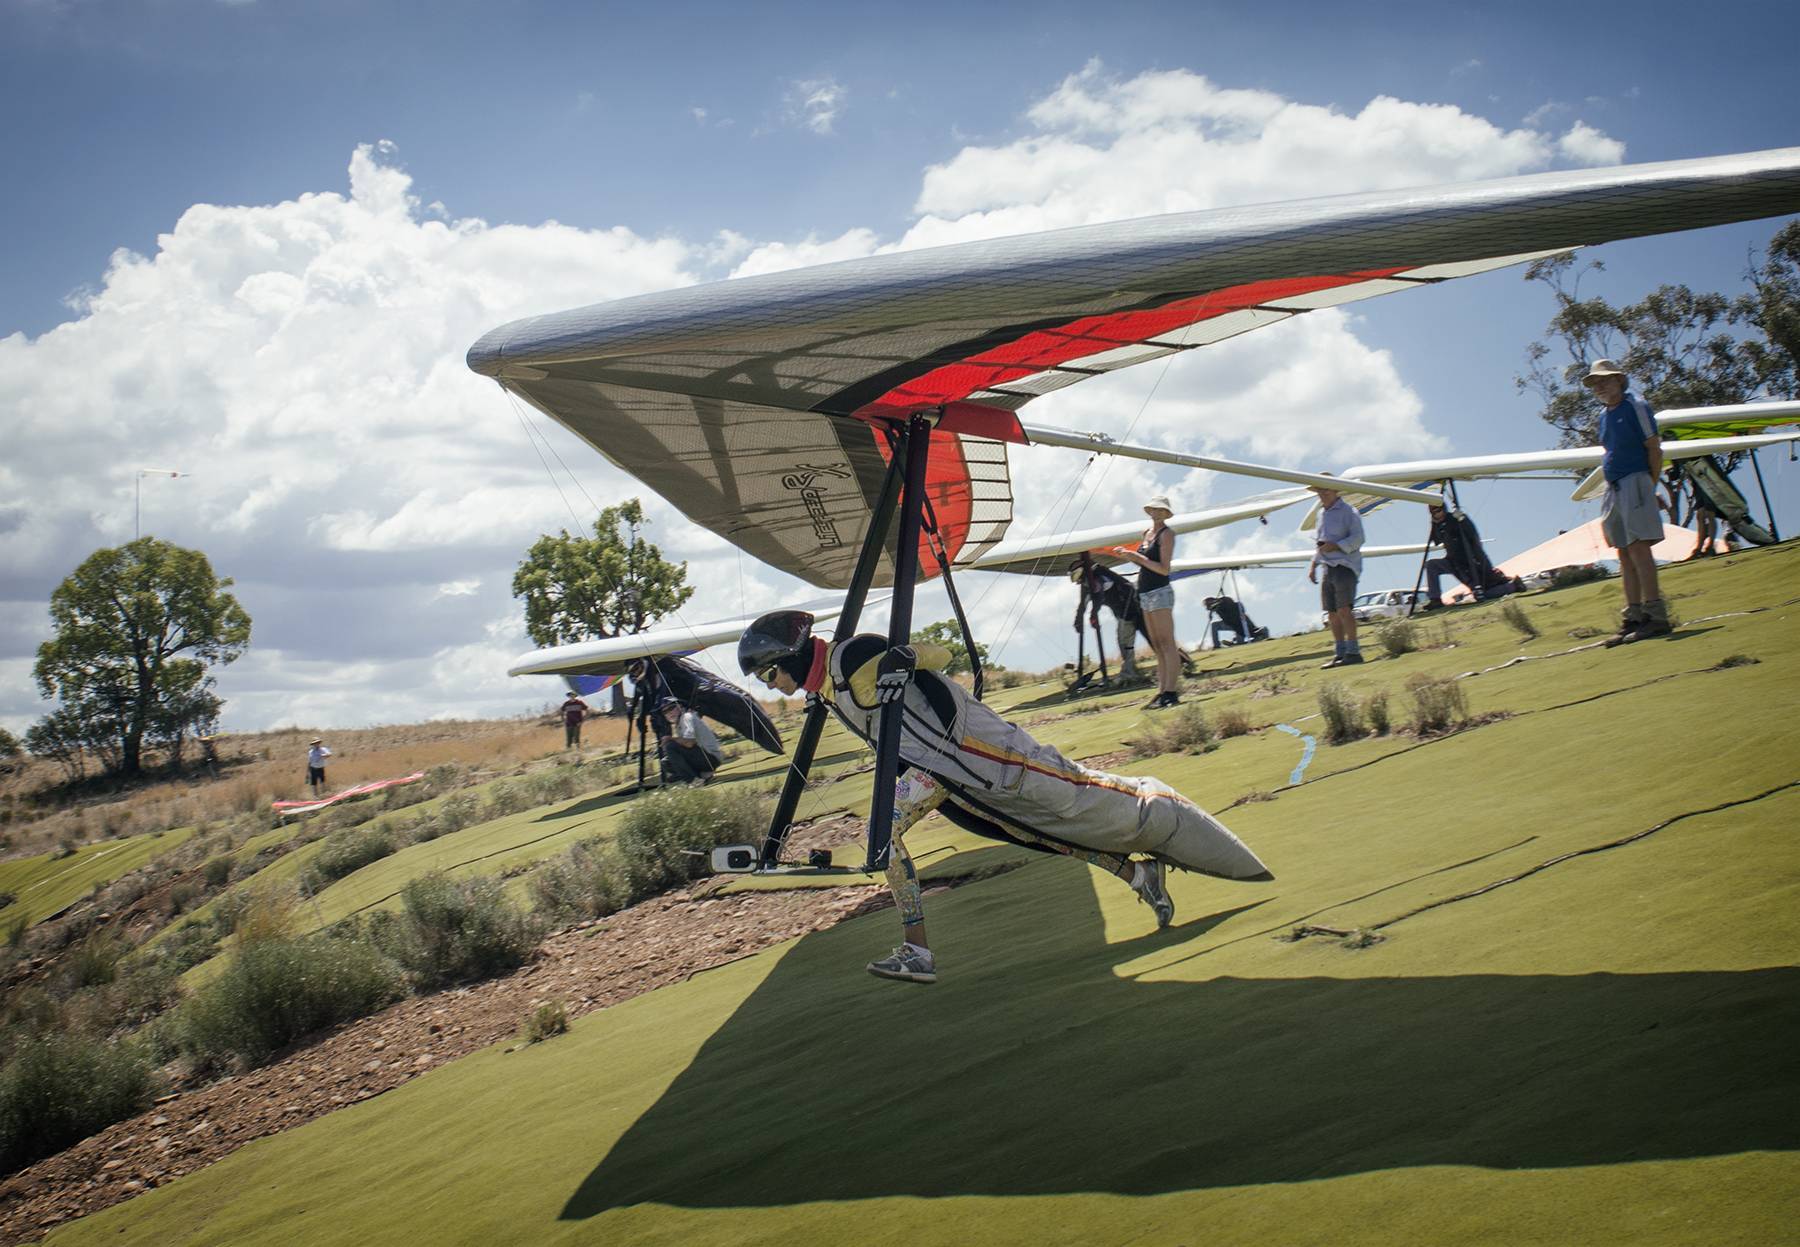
(1531, 982)
(47, 884)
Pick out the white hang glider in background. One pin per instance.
(800, 414)
(1570, 459)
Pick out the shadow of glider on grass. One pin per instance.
(1037, 1070)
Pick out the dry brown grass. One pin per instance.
(257, 768)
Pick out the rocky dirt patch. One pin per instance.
(652, 945)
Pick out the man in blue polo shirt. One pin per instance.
(1630, 519)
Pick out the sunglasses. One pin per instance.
(767, 674)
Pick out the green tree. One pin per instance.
(610, 584)
(1679, 348)
(135, 630)
(947, 634)
(1773, 306)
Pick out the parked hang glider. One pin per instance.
(796, 414)
(1569, 459)
(610, 656)
(1281, 558)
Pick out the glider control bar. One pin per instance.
(1100, 443)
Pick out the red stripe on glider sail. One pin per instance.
(1046, 348)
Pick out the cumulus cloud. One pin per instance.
(304, 361)
(1102, 148)
(816, 103)
(1583, 144)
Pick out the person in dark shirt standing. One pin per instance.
(1102, 586)
(1630, 520)
(574, 711)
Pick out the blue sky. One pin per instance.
(685, 142)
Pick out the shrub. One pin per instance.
(1343, 717)
(94, 961)
(584, 882)
(549, 1018)
(666, 838)
(60, 1088)
(217, 872)
(1234, 721)
(1397, 637)
(1439, 703)
(1563, 577)
(345, 852)
(1515, 616)
(1375, 710)
(451, 930)
(1185, 731)
(456, 811)
(1735, 660)
(274, 991)
(443, 777)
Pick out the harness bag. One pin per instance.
(996, 769)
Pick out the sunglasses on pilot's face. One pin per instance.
(767, 674)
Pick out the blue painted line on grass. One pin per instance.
(1306, 756)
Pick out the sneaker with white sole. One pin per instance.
(1150, 890)
(909, 963)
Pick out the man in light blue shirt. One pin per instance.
(1630, 520)
(1339, 551)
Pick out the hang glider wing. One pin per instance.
(611, 655)
(1050, 556)
(1422, 472)
(1282, 558)
(1687, 423)
(757, 406)
(716, 699)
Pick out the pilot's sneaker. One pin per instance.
(1149, 888)
(909, 963)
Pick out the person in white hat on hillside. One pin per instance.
(1629, 519)
(316, 754)
(1156, 598)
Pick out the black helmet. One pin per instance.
(778, 639)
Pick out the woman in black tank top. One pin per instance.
(1157, 598)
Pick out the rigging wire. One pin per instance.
(1029, 597)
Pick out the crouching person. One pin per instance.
(988, 776)
(690, 753)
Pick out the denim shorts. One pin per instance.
(1162, 599)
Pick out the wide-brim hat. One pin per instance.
(1158, 502)
(1318, 488)
(317, 740)
(1602, 368)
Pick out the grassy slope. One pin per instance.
(1601, 1051)
(46, 884)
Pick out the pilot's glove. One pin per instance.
(894, 673)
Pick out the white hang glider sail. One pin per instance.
(612, 655)
(1049, 556)
(761, 406)
(1279, 558)
(1569, 459)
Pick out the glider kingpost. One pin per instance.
(802, 415)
